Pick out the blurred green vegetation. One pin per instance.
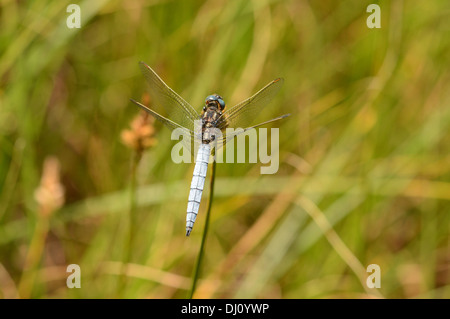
(364, 158)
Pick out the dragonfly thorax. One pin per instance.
(212, 112)
(210, 117)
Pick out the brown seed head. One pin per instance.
(141, 134)
(50, 193)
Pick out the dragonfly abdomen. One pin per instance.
(197, 184)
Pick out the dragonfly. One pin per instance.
(212, 117)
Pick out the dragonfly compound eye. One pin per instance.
(216, 100)
(221, 103)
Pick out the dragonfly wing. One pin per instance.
(172, 125)
(243, 114)
(164, 98)
(228, 137)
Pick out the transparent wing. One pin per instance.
(172, 125)
(164, 98)
(228, 137)
(243, 114)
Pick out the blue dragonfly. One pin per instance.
(213, 116)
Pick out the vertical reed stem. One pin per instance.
(129, 238)
(33, 257)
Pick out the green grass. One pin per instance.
(364, 157)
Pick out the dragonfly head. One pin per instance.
(216, 101)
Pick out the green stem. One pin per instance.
(34, 256)
(205, 232)
(129, 239)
